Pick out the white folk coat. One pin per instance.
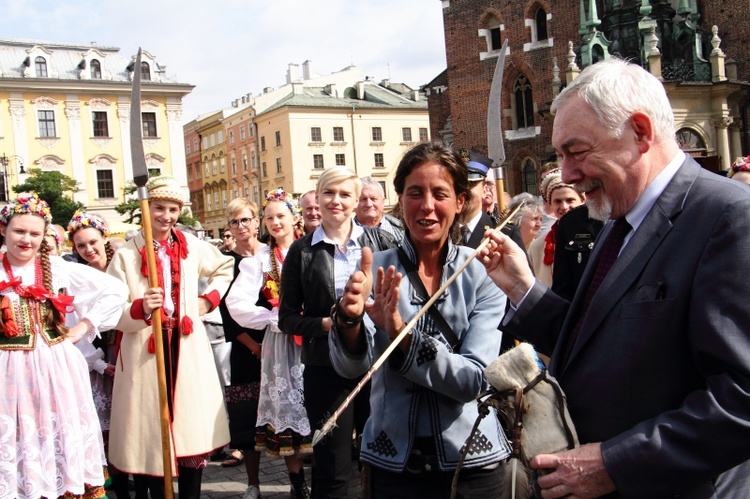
(200, 418)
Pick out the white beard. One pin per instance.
(599, 210)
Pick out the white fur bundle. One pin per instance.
(543, 431)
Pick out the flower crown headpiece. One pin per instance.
(51, 232)
(26, 204)
(281, 195)
(740, 165)
(82, 219)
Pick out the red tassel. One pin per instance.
(298, 340)
(144, 262)
(9, 325)
(549, 245)
(187, 325)
(151, 344)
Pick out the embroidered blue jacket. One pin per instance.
(431, 390)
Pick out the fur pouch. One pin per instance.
(543, 425)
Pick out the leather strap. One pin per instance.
(437, 317)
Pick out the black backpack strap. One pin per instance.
(437, 317)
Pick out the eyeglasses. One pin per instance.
(242, 221)
(227, 236)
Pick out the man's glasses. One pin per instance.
(227, 236)
(242, 221)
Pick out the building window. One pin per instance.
(263, 168)
(231, 137)
(377, 134)
(340, 159)
(213, 140)
(145, 71)
(278, 165)
(315, 135)
(101, 129)
(149, 124)
(221, 136)
(495, 41)
(41, 67)
(406, 134)
(529, 177)
(96, 69)
(223, 164)
(216, 200)
(242, 133)
(209, 204)
(47, 124)
(187, 147)
(278, 139)
(244, 162)
(252, 160)
(423, 136)
(205, 142)
(105, 187)
(214, 169)
(263, 143)
(318, 161)
(382, 184)
(250, 131)
(541, 24)
(338, 134)
(379, 163)
(195, 145)
(524, 102)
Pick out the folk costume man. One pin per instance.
(198, 419)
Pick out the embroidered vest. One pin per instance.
(29, 316)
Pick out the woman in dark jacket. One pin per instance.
(316, 270)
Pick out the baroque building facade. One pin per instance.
(697, 48)
(287, 136)
(66, 108)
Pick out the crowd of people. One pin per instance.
(626, 273)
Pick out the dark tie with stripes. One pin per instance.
(610, 251)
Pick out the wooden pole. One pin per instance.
(153, 279)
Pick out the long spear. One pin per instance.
(331, 422)
(140, 177)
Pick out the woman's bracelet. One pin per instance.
(341, 319)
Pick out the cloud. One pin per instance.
(228, 48)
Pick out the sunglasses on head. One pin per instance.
(227, 236)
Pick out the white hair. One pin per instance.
(615, 89)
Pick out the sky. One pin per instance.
(228, 48)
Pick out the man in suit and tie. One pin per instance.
(653, 351)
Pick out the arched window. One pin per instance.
(541, 24)
(41, 67)
(145, 71)
(496, 43)
(529, 177)
(96, 69)
(524, 102)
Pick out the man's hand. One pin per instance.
(204, 306)
(153, 299)
(507, 266)
(575, 473)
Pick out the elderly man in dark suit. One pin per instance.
(654, 349)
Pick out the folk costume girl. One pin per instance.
(198, 418)
(50, 439)
(283, 428)
(89, 235)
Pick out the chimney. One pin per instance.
(268, 90)
(360, 90)
(306, 73)
(298, 88)
(331, 90)
(292, 74)
(414, 95)
(386, 83)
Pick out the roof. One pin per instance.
(396, 96)
(67, 61)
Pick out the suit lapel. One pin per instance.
(633, 259)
